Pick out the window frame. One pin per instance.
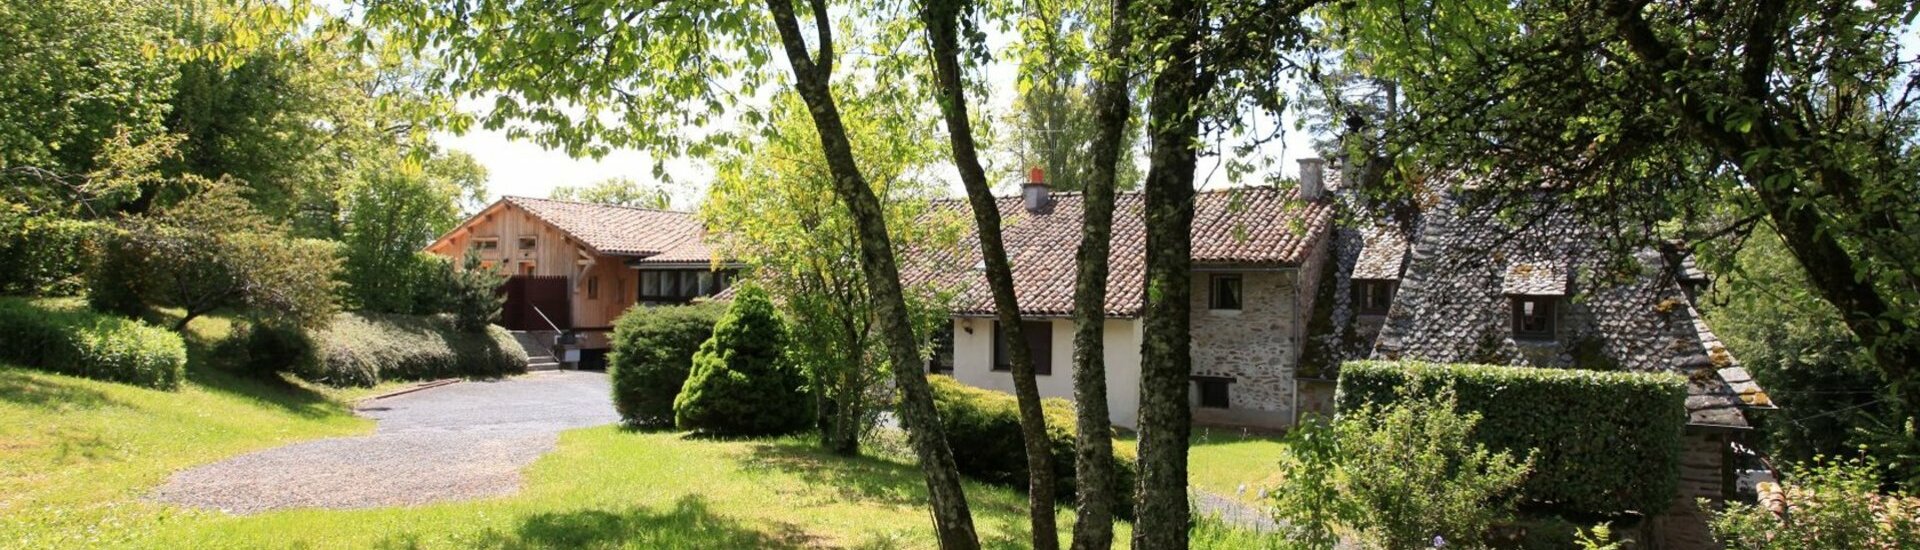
(1214, 294)
(1366, 288)
(1224, 385)
(1550, 317)
(529, 242)
(1039, 345)
(593, 287)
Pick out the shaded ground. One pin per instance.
(462, 441)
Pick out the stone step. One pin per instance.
(542, 365)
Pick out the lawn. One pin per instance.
(1233, 463)
(77, 457)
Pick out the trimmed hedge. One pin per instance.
(652, 351)
(363, 349)
(91, 345)
(1605, 442)
(42, 254)
(983, 428)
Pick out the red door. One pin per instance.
(529, 297)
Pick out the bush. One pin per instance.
(1831, 504)
(363, 349)
(1398, 475)
(652, 352)
(42, 255)
(983, 427)
(92, 345)
(740, 383)
(266, 349)
(473, 295)
(1608, 442)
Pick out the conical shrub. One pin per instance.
(741, 383)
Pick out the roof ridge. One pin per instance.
(591, 203)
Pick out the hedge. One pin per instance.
(42, 254)
(983, 428)
(742, 383)
(652, 351)
(1605, 442)
(363, 349)
(88, 344)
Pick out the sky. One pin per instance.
(523, 168)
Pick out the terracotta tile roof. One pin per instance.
(615, 230)
(691, 250)
(1250, 226)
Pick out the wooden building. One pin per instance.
(577, 266)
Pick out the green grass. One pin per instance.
(1222, 461)
(76, 454)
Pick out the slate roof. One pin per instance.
(1244, 227)
(1383, 250)
(1452, 305)
(615, 230)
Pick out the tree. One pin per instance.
(1093, 446)
(390, 215)
(618, 191)
(1054, 120)
(214, 251)
(1795, 117)
(475, 298)
(591, 77)
(741, 382)
(943, 19)
(776, 212)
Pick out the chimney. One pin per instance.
(1034, 192)
(1313, 185)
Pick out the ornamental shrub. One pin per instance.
(652, 352)
(363, 349)
(1398, 474)
(70, 340)
(983, 426)
(1827, 503)
(1608, 442)
(42, 255)
(741, 384)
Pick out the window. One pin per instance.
(528, 242)
(593, 287)
(1213, 391)
(1533, 317)
(941, 362)
(1373, 297)
(1225, 295)
(1039, 335)
(487, 243)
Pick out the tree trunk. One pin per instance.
(1093, 444)
(1165, 362)
(953, 522)
(942, 20)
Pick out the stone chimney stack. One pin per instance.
(1035, 192)
(1313, 183)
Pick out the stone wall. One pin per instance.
(1256, 347)
(1684, 526)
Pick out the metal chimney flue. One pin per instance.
(1034, 192)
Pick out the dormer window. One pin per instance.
(1373, 297)
(1533, 317)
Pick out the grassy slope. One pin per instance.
(77, 454)
(1222, 461)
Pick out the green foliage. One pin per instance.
(1607, 442)
(1396, 474)
(390, 216)
(778, 214)
(364, 349)
(984, 427)
(652, 352)
(474, 298)
(617, 191)
(214, 251)
(1829, 504)
(42, 255)
(92, 345)
(1799, 350)
(266, 349)
(741, 384)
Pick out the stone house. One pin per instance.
(1256, 253)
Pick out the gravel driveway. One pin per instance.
(460, 441)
